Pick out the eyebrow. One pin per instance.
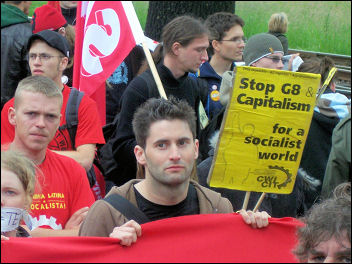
(168, 140)
(315, 252)
(346, 252)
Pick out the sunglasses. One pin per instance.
(277, 59)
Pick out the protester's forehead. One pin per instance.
(30, 97)
(235, 30)
(169, 129)
(276, 54)
(200, 42)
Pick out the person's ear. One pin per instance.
(215, 44)
(196, 148)
(140, 155)
(12, 116)
(176, 48)
(63, 63)
(62, 31)
(333, 86)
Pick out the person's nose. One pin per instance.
(280, 65)
(37, 60)
(242, 44)
(175, 153)
(40, 122)
(329, 260)
(205, 56)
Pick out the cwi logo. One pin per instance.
(102, 35)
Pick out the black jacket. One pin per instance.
(317, 150)
(135, 94)
(15, 31)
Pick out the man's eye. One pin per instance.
(345, 259)
(30, 113)
(161, 145)
(51, 117)
(182, 142)
(318, 259)
(45, 56)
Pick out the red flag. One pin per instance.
(106, 32)
(216, 238)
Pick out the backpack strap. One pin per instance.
(151, 84)
(125, 207)
(71, 114)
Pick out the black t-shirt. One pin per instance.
(188, 206)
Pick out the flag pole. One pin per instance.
(259, 202)
(246, 199)
(154, 71)
(140, 38)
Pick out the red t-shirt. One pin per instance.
(89, 130)
(64, 190)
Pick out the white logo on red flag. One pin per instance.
(101, 39)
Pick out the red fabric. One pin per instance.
(55, 4)
(64, 190)
(103, 40)
(89, 129)
(47, 17)
(198, 238)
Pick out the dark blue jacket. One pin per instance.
(213, 105)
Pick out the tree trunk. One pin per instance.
(162, 12)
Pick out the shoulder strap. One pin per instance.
(125, 207)
(71, 114)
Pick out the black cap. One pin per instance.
(53, 39)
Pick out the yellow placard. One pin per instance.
(266, 125)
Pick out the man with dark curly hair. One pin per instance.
(326, 237)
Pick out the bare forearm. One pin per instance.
(86, 162)
(43, 232)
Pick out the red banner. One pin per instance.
(197, 238)
(104, 38)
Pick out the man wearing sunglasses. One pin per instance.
(265, 51)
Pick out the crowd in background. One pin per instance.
(63, 171)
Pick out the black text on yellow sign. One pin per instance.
(265, 129)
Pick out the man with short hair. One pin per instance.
(48, 54)
(185, 43)
(61, 204)
(227, 42)
(166, 150)
(15, 31)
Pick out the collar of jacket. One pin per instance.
(11, 15)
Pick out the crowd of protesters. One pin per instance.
(162, 148)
